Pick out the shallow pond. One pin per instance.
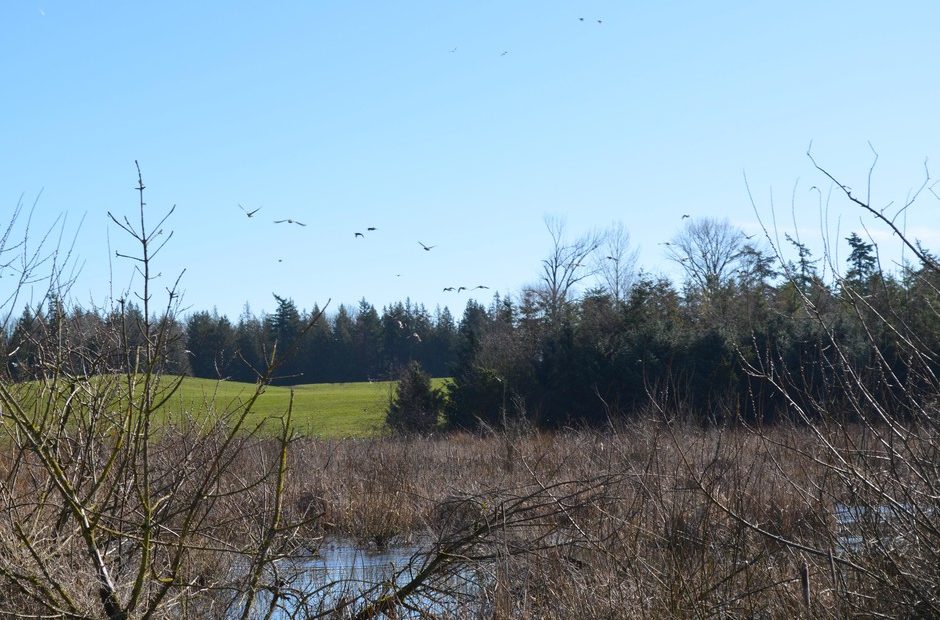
(884, 526)
(342, 573)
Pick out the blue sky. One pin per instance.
(459, 124)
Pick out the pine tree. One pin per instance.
(861, 261)
(417, 405)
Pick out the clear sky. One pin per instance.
(458, 124)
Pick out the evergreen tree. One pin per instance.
(397, 329)
(23, 357)
(754, 289)
(862, 261)
(475, 393)
(249, 347)
(367, 341)
(804, 271)
(316, 350)
(210, 339)
(416, 406)
(283, 332)
(342, 358)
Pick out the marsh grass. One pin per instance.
(661, 520)
(653, 518)
(135, 494)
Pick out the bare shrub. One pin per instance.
(107, 510)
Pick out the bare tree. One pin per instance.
(872, 436)
(616, 261)
(31, 263)
(708, 251)
(111, 509)
(565, 266)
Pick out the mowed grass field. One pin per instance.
(320, 409)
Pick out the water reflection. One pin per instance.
(886, 526)
(343, 575)
(848, 515)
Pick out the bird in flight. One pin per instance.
(448, 288)
(427, 248)
(400, 324)
(453, 50)
(359, 234)
(461, 288)
(247, 212)
(612, 258)
(371, 228)
(479, 286)
(580, 19)
(685, 216)
(504, 53)
(289, 221)
(416, 336)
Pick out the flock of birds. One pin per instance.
(506, 52)
(360, 235)
(428, 248)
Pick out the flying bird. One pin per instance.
(400, 324)
(479, 286)
(359, 234)
(580, 19)
(416, 336)
(685, 216)
(504, 53)
(448, 288)
(289, 221)
(247, 212)
(461, 288)
(453, 50)
(427, 248)
(612, 258)
(371, 228)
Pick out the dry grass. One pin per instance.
(678, 523)
(650, 520)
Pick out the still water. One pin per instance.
(344, 574)
(882, 526)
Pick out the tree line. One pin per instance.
(593, 340)
(352, 344)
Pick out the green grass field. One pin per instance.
(322, 409)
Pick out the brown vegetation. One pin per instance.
(653, 519)
(833, 511)
(657, 520)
